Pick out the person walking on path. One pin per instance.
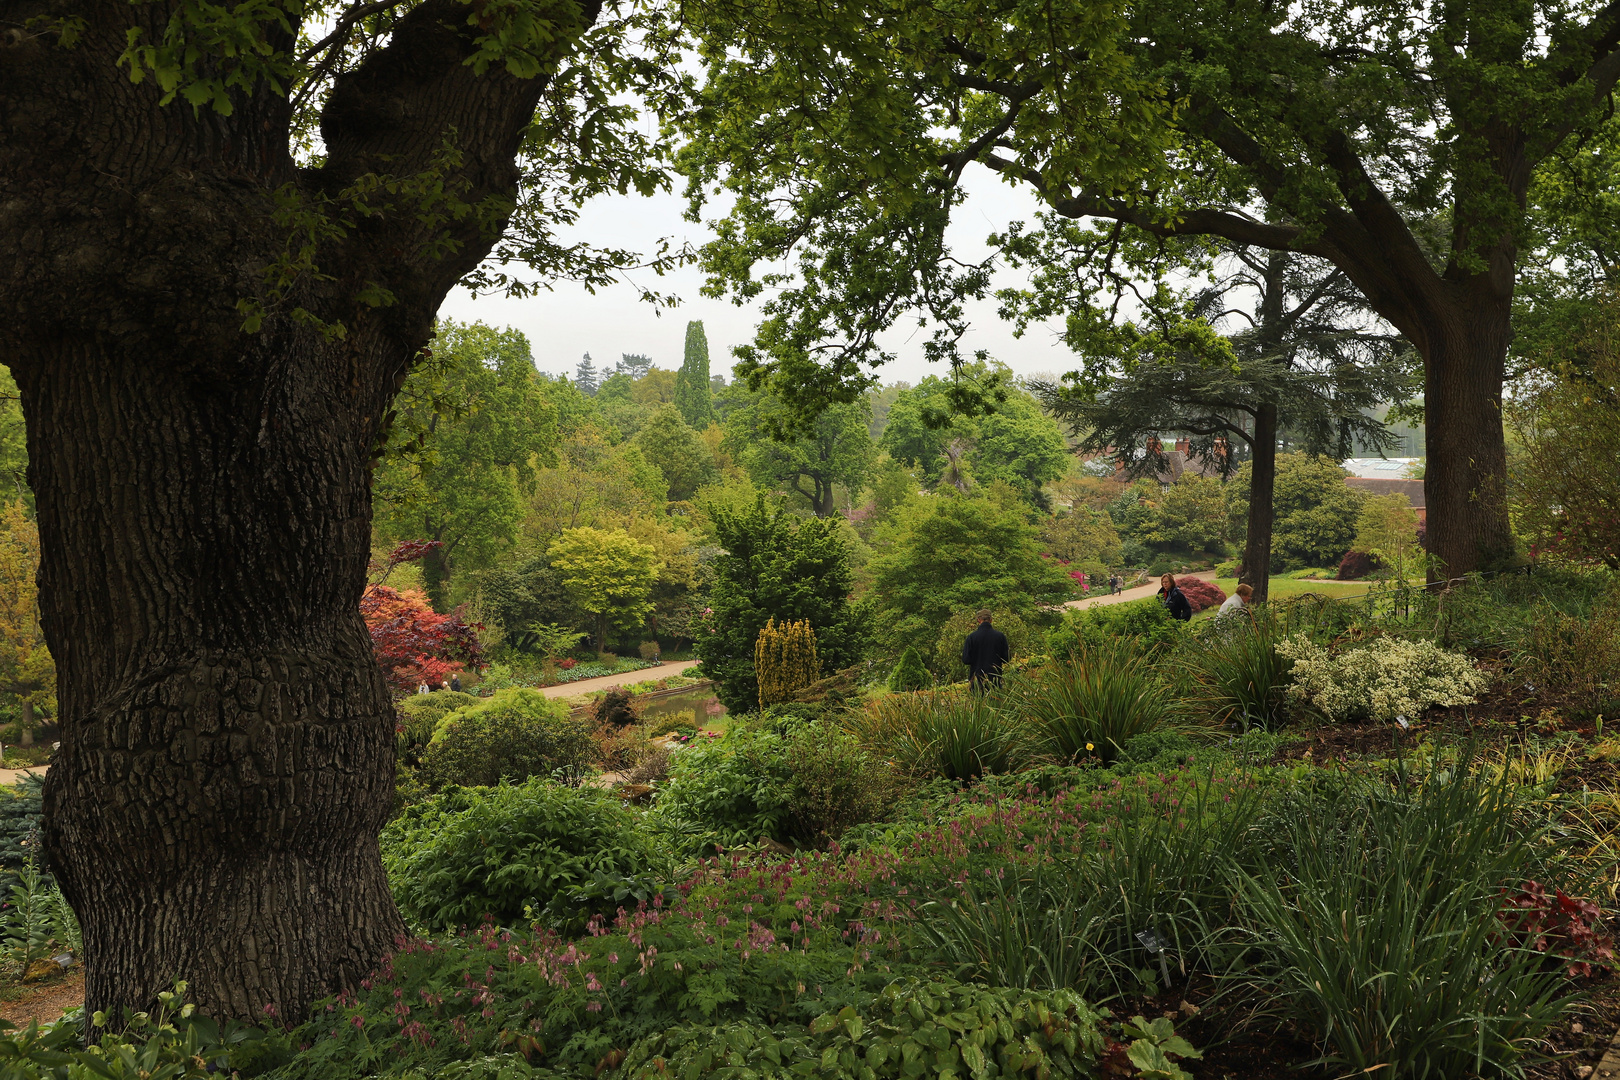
(455, 684)
(1113, 584)
(1174, 599)
(984, 652)
(1236, 602)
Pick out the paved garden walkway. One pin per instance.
(585, 686)
(11, 776)
(1127, 595)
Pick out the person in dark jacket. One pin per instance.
(984, 651)
(1174, 599)
(455, 684)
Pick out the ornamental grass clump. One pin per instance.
(1089, 704)
(951, 733)
(1238, 674)
(1378, 925)
(1386, 678)
(1077, 878)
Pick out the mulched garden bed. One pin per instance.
(1598, 1018)
(1257, 1052)
(1509, 709)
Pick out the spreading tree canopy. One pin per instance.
(609, 575)
(1018, 442)
(471, 429)
(835, 452)
(1396, 141)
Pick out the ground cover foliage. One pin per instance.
(935, 882)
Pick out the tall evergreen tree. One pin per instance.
(586, 377)
(634, 365)
(692, 381)
(776, 565)
(1307, 363)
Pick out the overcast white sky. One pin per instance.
(564, 324)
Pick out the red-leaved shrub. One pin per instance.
(1201, 594)
(414, 643)
(1558, 925)
(1356, 565)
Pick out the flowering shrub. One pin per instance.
(772, 943)
(1558, 925)
(1381, 680)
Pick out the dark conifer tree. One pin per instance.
(1306, 361)
(586, 377)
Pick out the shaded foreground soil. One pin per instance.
(45, 1001)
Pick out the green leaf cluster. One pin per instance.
(814, 461)
(1316, 511)
(946, 554)
(467, 435)
(911, 1031)
(608, 574)
(513, 735)
(470, 853)
(1017, 442)
(169, 1043)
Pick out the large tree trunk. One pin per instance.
(1262, 485)
(227, 737)
(203, 492)
(1465, 477)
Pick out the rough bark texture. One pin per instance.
(203, 493)
(1262, 511)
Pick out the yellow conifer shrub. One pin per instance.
(785, 660)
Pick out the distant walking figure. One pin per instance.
(455, 683)
(1113, 584)
(1174, 599)
(984, 651)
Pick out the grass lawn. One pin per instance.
(1282, 586)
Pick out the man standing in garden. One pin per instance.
(984, 651)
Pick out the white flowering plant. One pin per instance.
(1385, 678)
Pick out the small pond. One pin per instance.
(701, 700)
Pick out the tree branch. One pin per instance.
(417, 108)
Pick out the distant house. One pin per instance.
(1178, 462)
(1412, 489)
